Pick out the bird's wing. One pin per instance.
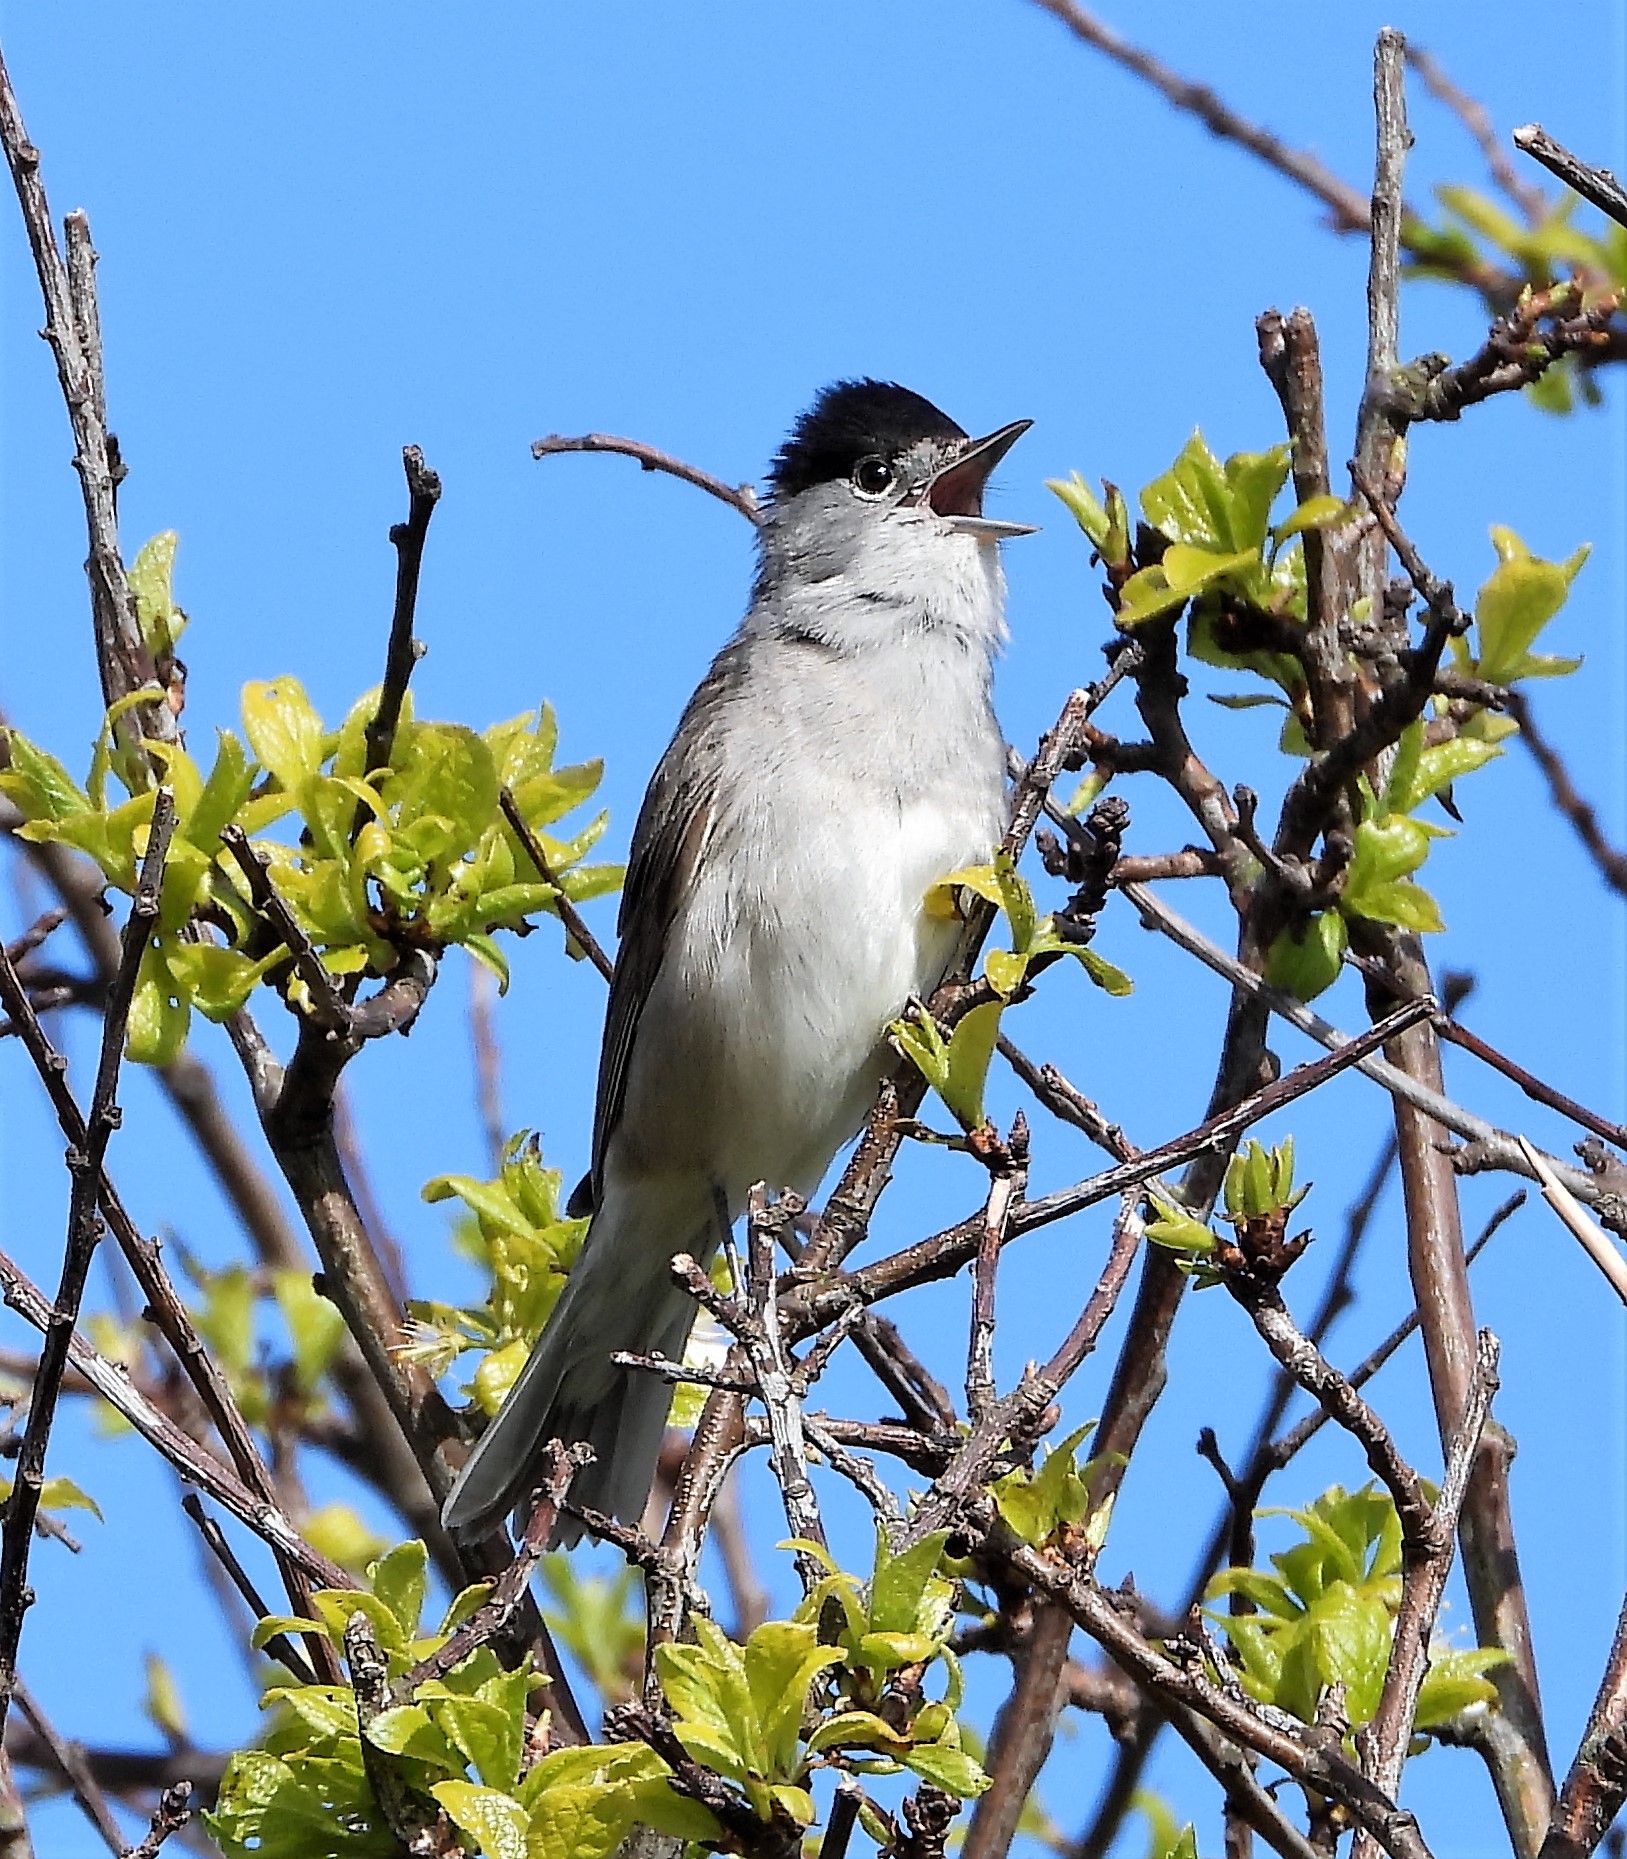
(678, 817)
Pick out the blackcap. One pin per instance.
(840, 759)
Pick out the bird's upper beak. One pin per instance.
(956, 491)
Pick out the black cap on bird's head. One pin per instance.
(894, 447)
(852, 420)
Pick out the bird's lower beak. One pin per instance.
(956, 492)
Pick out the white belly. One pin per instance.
(760, 1048)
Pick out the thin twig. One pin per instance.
(1308, 1756)
(556, 1467)
(569, 915)
(165, 1307)
(765, 1343)
(1498, 1149)
(739, 497)
(1301, 1358)
(403, 651)
(1597, 185)
(84, 1230)
(122, 657)
(1475, 118)
(1007, 1177)
(280, 1647)
(70, 1761)
(1594, 1240)
(1596, 1787)
(1426, 1563)
(1611, 863)
(1279, 1452)
(1346, 205)
(1448, 1028)
(195, 1463)
(170, 1816)
(328, 1006)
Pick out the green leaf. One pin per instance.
(495, 1819)
(316, 1327)
(1315, 513)
(63, 1494)
(1421, 771)
(1515, 604)
(228, 786)
(218, 981)
(399, 1579)
(1081, 500)
(270, 1625)
(580, 1821)
(1145, 595)
(37, 783)
(1454, 1681)
(970, 1050)
(162, 1704)
(283, 729)
(782, 1660)
(151, 577)
(705, 1685)
(1306, 957)
(488, 1735)
(653, 1802)
(950, 1769)
(1109, 979)
(338, 1531)
(851, 1729)
(446, 780)
(1004, 971)
(1186, 569)
(899, 1583)
(1224, 508)
(1176, 1230)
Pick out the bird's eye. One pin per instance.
(872, 476)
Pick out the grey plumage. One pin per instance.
(840, 757)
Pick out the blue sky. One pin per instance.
(326, 232)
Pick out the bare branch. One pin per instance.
(1594, 1240)
(403, 652)
(194, 1462)
(1310, 1756)
(575, 928)
(1426, 1563)
(556, 1467)
(72, 330)
(279, 1647)
(170, 1816)
(1596, 185)
(1596, 1788)
(1473, 115)
(1497, 1148)
(84, 1230)
(74, 1770)
(1346, 206)
(739, 497)
(1611, 863)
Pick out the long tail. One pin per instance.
(620, 1296)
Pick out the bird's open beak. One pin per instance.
(956, 492)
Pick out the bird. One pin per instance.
(840, 759)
